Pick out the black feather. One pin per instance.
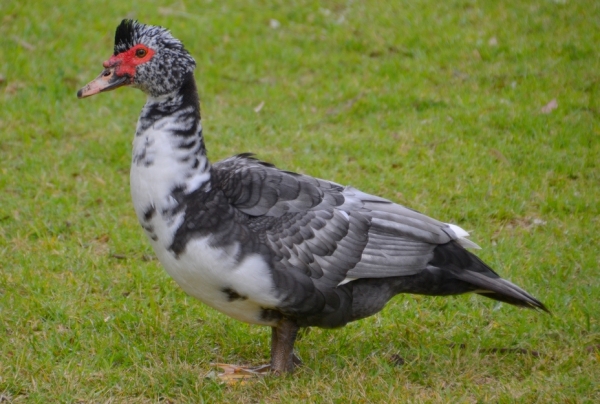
(124, 36)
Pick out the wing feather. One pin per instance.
(328, 232)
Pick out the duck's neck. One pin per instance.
(168, 151)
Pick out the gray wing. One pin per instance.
(327, 232)
(401, 240)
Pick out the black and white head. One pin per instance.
(145, 57)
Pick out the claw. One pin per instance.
(235, 374)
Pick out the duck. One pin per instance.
(267, 246)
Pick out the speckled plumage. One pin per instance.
(271, 247)
(170, 65)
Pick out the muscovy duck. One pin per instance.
(267, 246)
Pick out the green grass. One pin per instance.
(436, 105)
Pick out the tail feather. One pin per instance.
(500, 289)
(466, 267)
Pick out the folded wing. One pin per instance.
(330, 233)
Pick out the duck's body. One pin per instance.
(267, 246)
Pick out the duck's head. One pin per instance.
(145, 57)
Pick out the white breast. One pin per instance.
(153, 179)
(204, 272)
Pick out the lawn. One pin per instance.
(480, 113)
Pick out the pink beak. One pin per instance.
(106, 81)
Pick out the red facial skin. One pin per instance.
(127, 61)
(119, 71)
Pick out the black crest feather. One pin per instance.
(124, 36)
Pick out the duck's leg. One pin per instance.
(283, 337)
(283, 359)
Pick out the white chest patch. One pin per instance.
(158, 168)
(239, 289)
(242, 290)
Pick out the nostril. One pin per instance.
(107, 73)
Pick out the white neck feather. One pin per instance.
(163, 160)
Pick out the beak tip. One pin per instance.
(80, 93)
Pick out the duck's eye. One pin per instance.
(140, 53)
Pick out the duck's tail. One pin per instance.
(458, 263)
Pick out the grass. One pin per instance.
(437, 105)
